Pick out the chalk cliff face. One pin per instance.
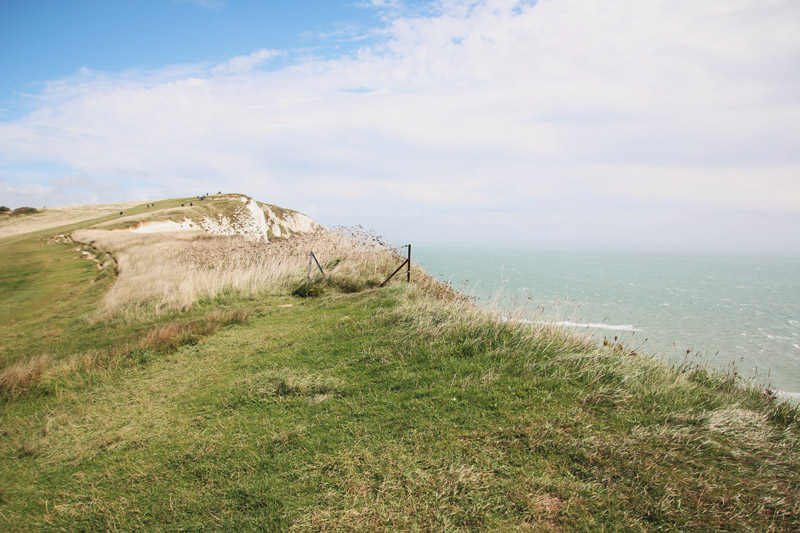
(290, 222)
(258, 221)
(232, 214)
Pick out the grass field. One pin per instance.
(366, 409)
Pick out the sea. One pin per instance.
(728, 310)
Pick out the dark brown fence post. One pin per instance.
(314, 257)
(318, 265)
(406, 263)
(408, 272)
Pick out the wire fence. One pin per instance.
(312, 259)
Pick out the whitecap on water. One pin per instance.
(592, 325)
(792, 396)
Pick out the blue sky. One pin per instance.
(553, 122)
(53, 39)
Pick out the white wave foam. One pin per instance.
(592, 325)
(793, 396)
(779, 338)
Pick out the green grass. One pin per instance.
(48, 288)
(381, 410)
(51, 287)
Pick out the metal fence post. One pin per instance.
(314, 257)
(408, 272)
(406, 263)
(318, 265)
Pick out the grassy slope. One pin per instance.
(59, 216)
(49, 290)
(375, 411)
(45, 287)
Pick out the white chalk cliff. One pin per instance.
(258, 221)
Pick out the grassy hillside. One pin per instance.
(59, 216)
(369, 409)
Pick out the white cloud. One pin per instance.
(486, 106)
(245, 64)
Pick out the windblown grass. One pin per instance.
(159, 273)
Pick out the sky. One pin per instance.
(555, 122)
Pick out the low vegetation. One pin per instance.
(19, 211)
(231, 404)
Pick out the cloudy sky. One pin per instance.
(558, 121)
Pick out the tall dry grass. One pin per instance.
(171, 271)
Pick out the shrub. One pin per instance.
(348, 285)
(24, 211)
(309, 290)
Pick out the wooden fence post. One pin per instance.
(408, 272)
(314, 257)
(406, 263)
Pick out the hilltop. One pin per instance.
(157, 372)
(222, 214)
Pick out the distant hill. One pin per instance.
(46, 218)
(223, 214)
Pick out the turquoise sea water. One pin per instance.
(723, 308)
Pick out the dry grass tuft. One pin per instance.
(20, 376)
(168, 337)
(744, 424)
(24, 375)
(271, 385)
